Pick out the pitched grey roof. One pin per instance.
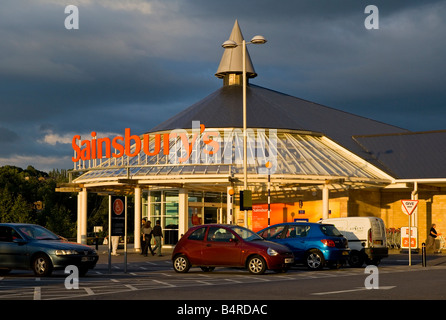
(271, 109)
(415, 155)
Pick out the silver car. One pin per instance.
(30, 246)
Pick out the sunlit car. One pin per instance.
(315, 245)
(30, 246)
(218, 245)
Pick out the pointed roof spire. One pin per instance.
(231, 61)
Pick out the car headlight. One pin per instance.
(272, 252)
(65, 252)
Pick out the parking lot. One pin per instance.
(153, 278)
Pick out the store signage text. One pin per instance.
(180, 146)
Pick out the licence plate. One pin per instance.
(289, 260)
(345, 253)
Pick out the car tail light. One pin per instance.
(328, 242)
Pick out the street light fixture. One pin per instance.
(230, 44)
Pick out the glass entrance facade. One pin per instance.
(163, 205)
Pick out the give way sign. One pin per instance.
(409, 206)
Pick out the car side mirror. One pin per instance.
(233, 240)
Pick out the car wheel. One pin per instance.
(355, 259)
(314, 260)
(207, 269)
(256, 265)
(181, 264)
(42, 265)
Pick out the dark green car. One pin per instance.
(30, 246)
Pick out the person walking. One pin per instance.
(147, 238)
(157, 233)
(430, 243)
(141, 237)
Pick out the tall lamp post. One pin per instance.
(230, 44)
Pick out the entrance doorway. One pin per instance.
(210, 215)
(202, 214)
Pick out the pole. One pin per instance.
(245, 160)
(423, 254)
(269, 198)
(125, 236)
(109, 233)
(410, 240)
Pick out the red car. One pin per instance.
(217, 245)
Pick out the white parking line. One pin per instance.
(89, 291)
(164, 283)
(232, 280)
(37, 293)
(350, 290)
(131, 287)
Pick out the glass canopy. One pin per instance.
(217, 155)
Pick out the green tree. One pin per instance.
(6, 203)
(21, 211)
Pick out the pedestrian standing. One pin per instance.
(147, 238)
(158, 235)
(115, 244)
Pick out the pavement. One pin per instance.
(166, 254)
(132, 254)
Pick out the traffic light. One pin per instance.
(245, 200)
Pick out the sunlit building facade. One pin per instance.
(323, 163)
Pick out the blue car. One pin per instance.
(30, 246)
(315, 245)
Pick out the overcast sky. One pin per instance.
(135, 63)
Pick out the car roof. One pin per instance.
(216, 225)
(15, 224)
(298, 223)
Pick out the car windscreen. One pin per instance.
(37, 233)
(330, 230)
(246, 234)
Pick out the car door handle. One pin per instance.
(209, 245)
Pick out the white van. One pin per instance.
(366, 238)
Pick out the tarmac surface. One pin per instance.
(133, 255)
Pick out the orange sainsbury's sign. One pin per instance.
(96, 147)
(179, 145)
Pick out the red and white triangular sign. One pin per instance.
(409, 206)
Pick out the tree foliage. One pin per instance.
(30, 196)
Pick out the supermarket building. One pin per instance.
(325, 162)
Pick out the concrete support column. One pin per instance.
(183, 212)
(229, 205)
(137, 230)
(325, 198)
(79, 214)
(82, 223)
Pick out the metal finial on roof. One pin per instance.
(231, 61)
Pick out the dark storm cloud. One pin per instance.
(136, 63)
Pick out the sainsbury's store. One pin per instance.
(323, 162)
